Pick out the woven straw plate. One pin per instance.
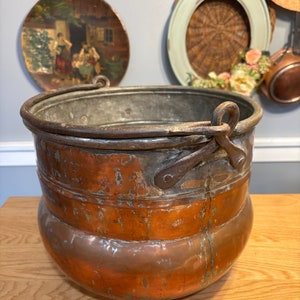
(207, 36)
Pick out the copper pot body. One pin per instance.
(105, 217)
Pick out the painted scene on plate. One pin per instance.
(68, 42)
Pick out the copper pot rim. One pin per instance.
(95, 132)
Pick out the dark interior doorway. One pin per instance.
(77, 36)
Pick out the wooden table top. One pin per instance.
(269, 267)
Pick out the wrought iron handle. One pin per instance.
(101, 81)
(170, 175)
(236, 155)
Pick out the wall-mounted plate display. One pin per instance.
(207, 35)
(68, 42)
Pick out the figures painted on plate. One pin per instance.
(62, 50)
(65, 43)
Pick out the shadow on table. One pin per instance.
(85, 292)
(207, 293)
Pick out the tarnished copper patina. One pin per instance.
(145, 189)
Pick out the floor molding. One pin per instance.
(279, 149)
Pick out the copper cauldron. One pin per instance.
(145, 189)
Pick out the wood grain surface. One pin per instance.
(269, 267)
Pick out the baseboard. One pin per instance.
(15, 154)
(281, 149)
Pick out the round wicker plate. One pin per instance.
(207, 35)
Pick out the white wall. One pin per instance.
(276, 154)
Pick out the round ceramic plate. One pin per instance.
(203, 34)
(68, 42)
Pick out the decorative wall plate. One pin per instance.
(207, 36)
(68, 42)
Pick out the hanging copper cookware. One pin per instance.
(282, 82)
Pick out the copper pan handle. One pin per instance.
(296, 40)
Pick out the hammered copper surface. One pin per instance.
(159, 213)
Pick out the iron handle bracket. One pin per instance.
(170, 175)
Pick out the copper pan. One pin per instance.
(282, 82)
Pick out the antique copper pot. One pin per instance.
(145, 189)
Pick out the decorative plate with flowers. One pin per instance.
(243, 77)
